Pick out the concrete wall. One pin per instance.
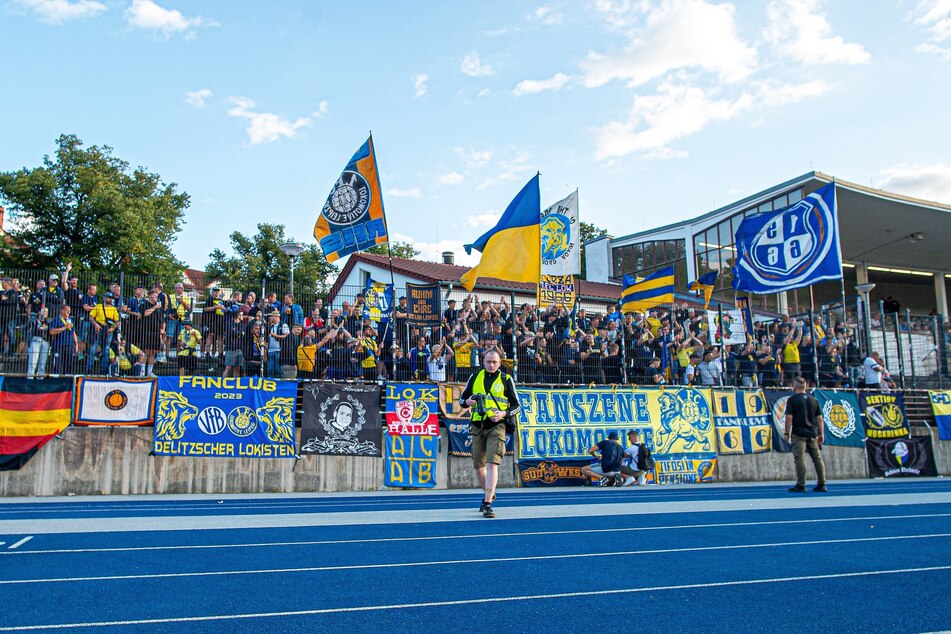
(91, 461)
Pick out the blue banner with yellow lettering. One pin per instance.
(884, 415)
(225, 417)
(742, 421)
(675, 423)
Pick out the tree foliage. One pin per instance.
(398, 249)
(86, 206)
(260, 257)
(589, 232)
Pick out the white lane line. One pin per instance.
(474, 601)
(632, 507)
(456, 562)
(384, 540)
(20, 543)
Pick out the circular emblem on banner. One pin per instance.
(556, 236)
(212, 420)
(790, 248)
(349, 201)
(839, 418)
(242, 421)
(116, 400)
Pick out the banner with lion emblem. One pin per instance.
(676, 424)
(341, 420)
(840, 413)
(883, 414)
(225, 417)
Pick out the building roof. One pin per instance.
(435, 272)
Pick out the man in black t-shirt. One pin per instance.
(805, 429)
(611, 455)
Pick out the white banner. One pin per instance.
(732, 331)
(114, 401)
(561, 238)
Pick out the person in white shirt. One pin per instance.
(437, 362)
(873, 371)
(635, 462)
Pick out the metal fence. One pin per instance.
(540, 347)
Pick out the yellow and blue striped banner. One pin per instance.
(742, 421)
(941, 406)
(654, 290)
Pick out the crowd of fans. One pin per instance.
(80, 330)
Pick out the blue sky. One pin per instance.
(655, 111)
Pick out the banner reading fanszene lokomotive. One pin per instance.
(246, 417)
(558, 425)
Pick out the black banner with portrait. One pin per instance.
(342, 420)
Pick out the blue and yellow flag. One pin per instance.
(705, 283)
(941, 406)
(352, 218)
(510, 251)
(654, 290)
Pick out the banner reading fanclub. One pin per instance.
(244, 417)
(561, 425)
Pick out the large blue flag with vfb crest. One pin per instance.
(790, 248)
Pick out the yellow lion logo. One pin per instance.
(554, 238)
(173, 412)
(278, 418)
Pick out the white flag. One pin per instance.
(114, 402)
(560, 238)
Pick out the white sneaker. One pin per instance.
(160, 357)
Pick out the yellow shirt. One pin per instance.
(654, 324)
(190, 340)
(101, 313)
(463, 354)
(790, 353)
(370, 347)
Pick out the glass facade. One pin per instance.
(715, 247)
(646, 257)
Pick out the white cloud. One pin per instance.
(931, 182)
(616, 12)
(489, 182)
(265, 127)
(197, 98)
(655, 121)
(532, 86)
(415, 192)
(799, 30)
(419, 85)
(58, 11)
(935, 16)
(547, 16)
(488, 219)
(452, 178)
(473, 66)
(162, 22)
(678, 34)
(474, 158)
(496, 32)
(775, 96)
(321, 109)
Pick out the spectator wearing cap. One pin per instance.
(637, 460)
(189, 345)
(53, 296)
(608, 468)
(214, 323)
(103, 321)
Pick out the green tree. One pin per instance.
(86, 206)
(589, 232)
(398, 249)
(260, 257)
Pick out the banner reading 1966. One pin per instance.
(676, 424)
(246, 417)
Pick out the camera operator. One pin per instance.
(491, 395)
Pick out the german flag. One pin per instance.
(31, 413)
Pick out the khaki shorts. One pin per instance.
(488, 445)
